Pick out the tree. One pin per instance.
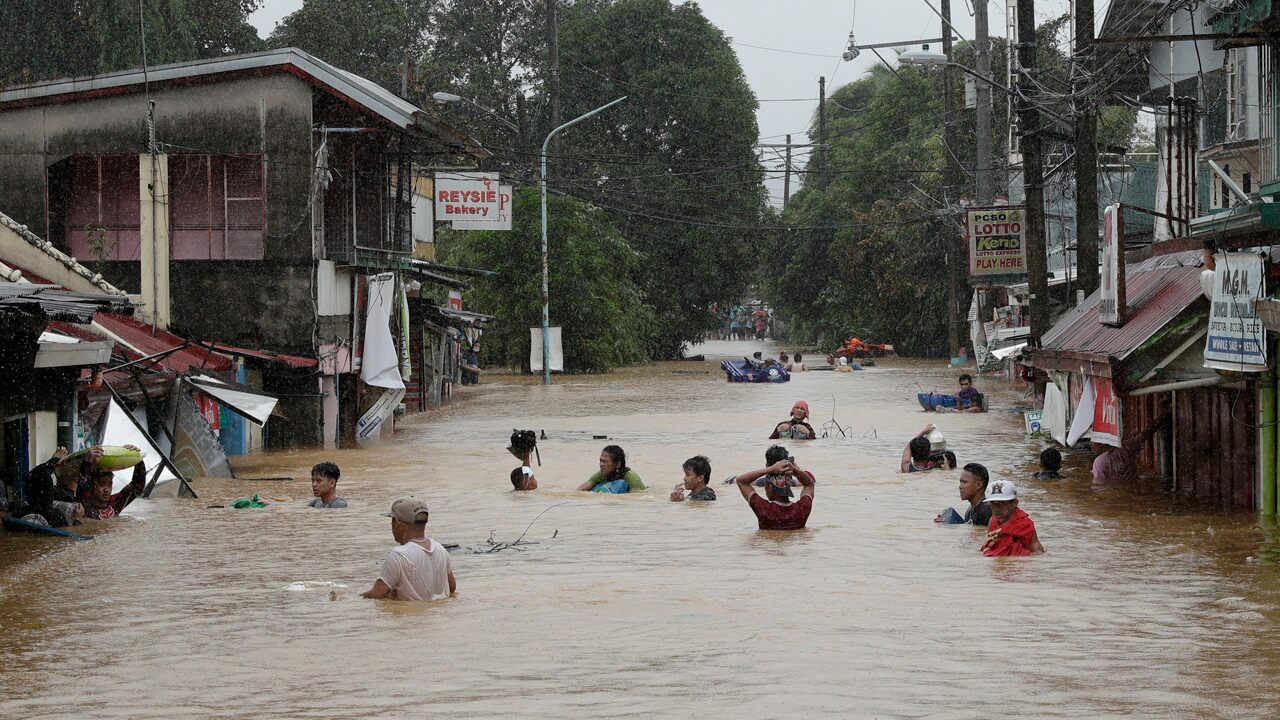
(594, 297)
(371, 38)
(675, 165)
(64, 38)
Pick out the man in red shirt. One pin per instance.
(1010, 531)
(775, 511)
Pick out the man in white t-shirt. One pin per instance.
(419, 569)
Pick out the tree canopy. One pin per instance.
(593, 293)
(64, 38)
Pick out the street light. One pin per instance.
(445, 98)
(546, 296)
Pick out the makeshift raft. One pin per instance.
(746, 372)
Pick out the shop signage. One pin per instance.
(466, 196)
(1236, 339)
(501, 221)
(997, 241)
(455, 300)
(1033, 419)
(1112, 300)
(1106, 413)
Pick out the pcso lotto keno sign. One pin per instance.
(997, 241)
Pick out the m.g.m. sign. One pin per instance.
(997, 241)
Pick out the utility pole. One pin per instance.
(982, 152)
(1032, 173)
(953, 240)
(822, 132)
(553, 62)
(786, 177)
(1086, 122)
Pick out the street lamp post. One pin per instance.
(444, 97)
(546, 297)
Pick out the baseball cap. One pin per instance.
(409, 510)
(1001, 490)
(781, 485)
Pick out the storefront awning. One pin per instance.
(1166, 307)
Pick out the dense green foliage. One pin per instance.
(63, 38)
(594, 296)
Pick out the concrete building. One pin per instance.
(277, 182)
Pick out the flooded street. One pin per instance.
(633, 606)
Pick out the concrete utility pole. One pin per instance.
(1032, 173)
(982, 152)
(553, 62)
(1086, 122)
(786, 177)
(954, 243)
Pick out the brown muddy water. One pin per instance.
(633, 606)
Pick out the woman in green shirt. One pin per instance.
(614, 475)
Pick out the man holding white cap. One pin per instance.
(419, 569)
(1010, 531)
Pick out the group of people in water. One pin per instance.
(59, 494)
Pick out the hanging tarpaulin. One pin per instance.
(257, 408)
(1053, 419)
(197, 452)
(406, 362)
(1106, 413)
(380, 366)
(1082, 422)
(554, 351)
(119, 427)
(1236, 339)
(370, 424)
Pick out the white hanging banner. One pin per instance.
(1236, 339)
(502, 221)
(555, 353)
(1113, 302)
(370, 424)
(380, 363)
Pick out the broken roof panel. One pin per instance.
(55, 303)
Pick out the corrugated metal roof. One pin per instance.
(56, 303)
(1158, 290)
(347, 85)
(137, 337)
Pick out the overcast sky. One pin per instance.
(814, 34)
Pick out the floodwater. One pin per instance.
(633, 606)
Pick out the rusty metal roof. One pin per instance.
(1158, 291)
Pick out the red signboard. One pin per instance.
(1106, 413)
(455, 300)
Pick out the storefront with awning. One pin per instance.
(1108, 381)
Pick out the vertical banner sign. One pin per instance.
(466, 196)
(1236, 339)
(501, 222)
(997, 241)
(1106, 413)
(1112, 301)
(455, 300)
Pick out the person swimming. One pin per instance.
(796, 427)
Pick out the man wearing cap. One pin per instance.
(775, 511)
(420, 568)
(1010, 531)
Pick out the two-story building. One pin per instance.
(239, 201)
